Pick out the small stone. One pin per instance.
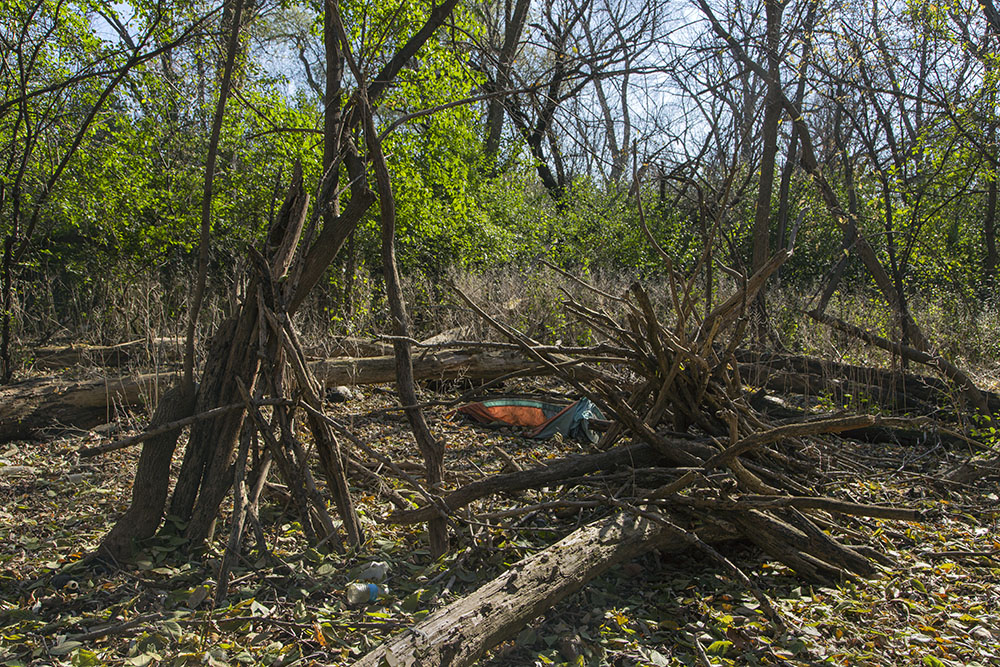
(106, 429)
(340, 394)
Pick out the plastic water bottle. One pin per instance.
(374, 571)
(359, 593)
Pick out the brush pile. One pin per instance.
(698, 461)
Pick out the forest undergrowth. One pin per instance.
(934, 601)
(962, 325)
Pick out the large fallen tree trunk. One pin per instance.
(28, 407)
(462, 632)
(34, 405)
(439, 365)
(31, 406)
(890, 389)
(148, 353)
(142, 352)
(958, 377)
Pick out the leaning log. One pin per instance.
(462, 632)
(28, 407)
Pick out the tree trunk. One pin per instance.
(990, 232)
(7, 299)
(205, 238)
(960, 378)
(431, 447)
(332, 115)
(203, 472)
(513, 27)
(149, 488)
(784, 189)
(772, 116)
(850, 229)
(891, 389)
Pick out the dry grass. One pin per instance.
(528, 298)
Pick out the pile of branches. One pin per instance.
(704, 465)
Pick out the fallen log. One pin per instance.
(637, 456)
(958, 377)
(31, 406)
(462, 632)
(893, 390)
(840, 389)
(554, 473)
(142, 352)
(430, 365)
(353, 346)
(971, 471)
(147, 353)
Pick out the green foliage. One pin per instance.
(128, 201)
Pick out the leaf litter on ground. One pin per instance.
(936, 605)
